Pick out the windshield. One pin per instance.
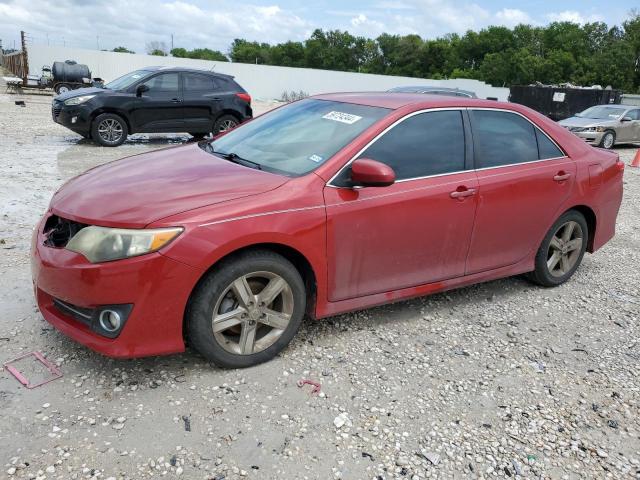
(297, 138)
(601, 112)
(127, 80)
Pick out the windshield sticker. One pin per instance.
(347, 118)
(315, 158)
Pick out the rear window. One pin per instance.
(197, 82)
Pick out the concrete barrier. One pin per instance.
(261, 81)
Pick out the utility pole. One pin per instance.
(98, 41)
(25, 57)
(172, 41)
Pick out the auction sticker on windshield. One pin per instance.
(347, 118)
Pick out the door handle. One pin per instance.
(462, 192)
(562, 176)
(175, 100)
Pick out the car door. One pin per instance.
(629, 131)
(201, 99)
(524, 178)
(160, 109)
(415, 231)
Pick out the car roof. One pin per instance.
(157, 68)
(396, 100)
(425, 88)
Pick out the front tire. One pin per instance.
(109, 130)
(561, 251)
(247, 310)
(608, 140)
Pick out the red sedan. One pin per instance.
(330, 204)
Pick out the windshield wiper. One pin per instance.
(235, 158)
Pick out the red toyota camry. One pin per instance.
(333, 203)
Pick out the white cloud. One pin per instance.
(511, 17)
(573, 16)
(133, 24)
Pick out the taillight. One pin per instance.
(244, 96)
(620, 165)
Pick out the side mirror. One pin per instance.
(140, 89)
(626, 119)
(371, 173)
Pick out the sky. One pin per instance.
(214, 24)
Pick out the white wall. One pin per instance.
(261, 81)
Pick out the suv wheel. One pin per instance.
(224, 123)
(109, 130)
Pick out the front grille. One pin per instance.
(576, 129)
(82, 314)
(59, 231)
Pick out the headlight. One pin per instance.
(594, 129)
(100, 244)
(78, 100)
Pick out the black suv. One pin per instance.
(152, 100)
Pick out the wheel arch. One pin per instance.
(228, 111)
(297, 258)
(592, 222)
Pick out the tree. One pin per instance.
(199, 53)
(157, 48)
(122, 50)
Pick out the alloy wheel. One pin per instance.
(565, 248)
(110, 130)
(63, 89)
(227, 125)
(608, 140)
(252, 313)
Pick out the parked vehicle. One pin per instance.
(333, 203)
(606, 125)
(152, 100)
(63, 77)
(453, 92)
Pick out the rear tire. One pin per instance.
(246, 310)
(109, 130)
(608, 140)
(225, 123)
(561, 251)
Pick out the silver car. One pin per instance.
(451, 92)
(606, 125)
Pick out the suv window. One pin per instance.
(195, 82)
(502, 138)
(425, 144)
(165, 82)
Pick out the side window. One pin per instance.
(425, 144)
(502, 138)
(163, 83)
(546, 148)
(194, 82)
(634, 114)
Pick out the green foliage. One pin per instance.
(560, 52)
(157, 52)
(199, 53)
(122, 50)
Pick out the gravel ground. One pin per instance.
(502, 379)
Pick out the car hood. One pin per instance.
(80, 92)
(136, 191)
(586, 122)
